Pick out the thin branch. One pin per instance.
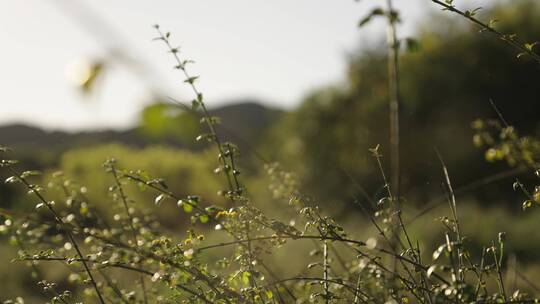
(509, 39)
(67, 232)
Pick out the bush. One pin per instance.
(129, 256)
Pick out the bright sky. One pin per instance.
(272, 50)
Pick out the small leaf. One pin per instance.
(472, 13)
(364, 20)
(437, 253)
(530, 46)
(373, 13)
(207, 137)
(204, 218)
(430, 270)
(191, 80)
(7, 162)
(187, 207)
(527, 204)
(476, 9)
(159, 199)
(195, 104)
(492, 22)
(26, 174)
(11, 180)
(375, 151)
(158, 181)
(246, 277)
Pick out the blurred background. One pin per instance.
(295, 82)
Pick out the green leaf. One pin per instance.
(368, 17)
(527, 204)
(530, 46)
(246, 277)
(191, 80)
(204, 218)
(492, 22)
(472, 13)
(186, 205)
(364, 20)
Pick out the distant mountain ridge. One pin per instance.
(244, 122)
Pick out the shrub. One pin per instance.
(130, 257)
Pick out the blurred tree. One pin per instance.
(446, 83)
(243, 122)
(163, 120)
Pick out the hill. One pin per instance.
(242, 122)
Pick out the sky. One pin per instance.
(275, 51)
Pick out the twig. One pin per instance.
(509, 39)
(393, 92)
(67, 232)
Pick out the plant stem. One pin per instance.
(393, 92)
(509, 39)
(123, 197)
(500, 280)
(67, 232)
(325, 272)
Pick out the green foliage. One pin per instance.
(184, 171)
(119, 246)
(166, 120)
(447, 83)
(502, 142)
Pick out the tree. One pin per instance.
(445, 85)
